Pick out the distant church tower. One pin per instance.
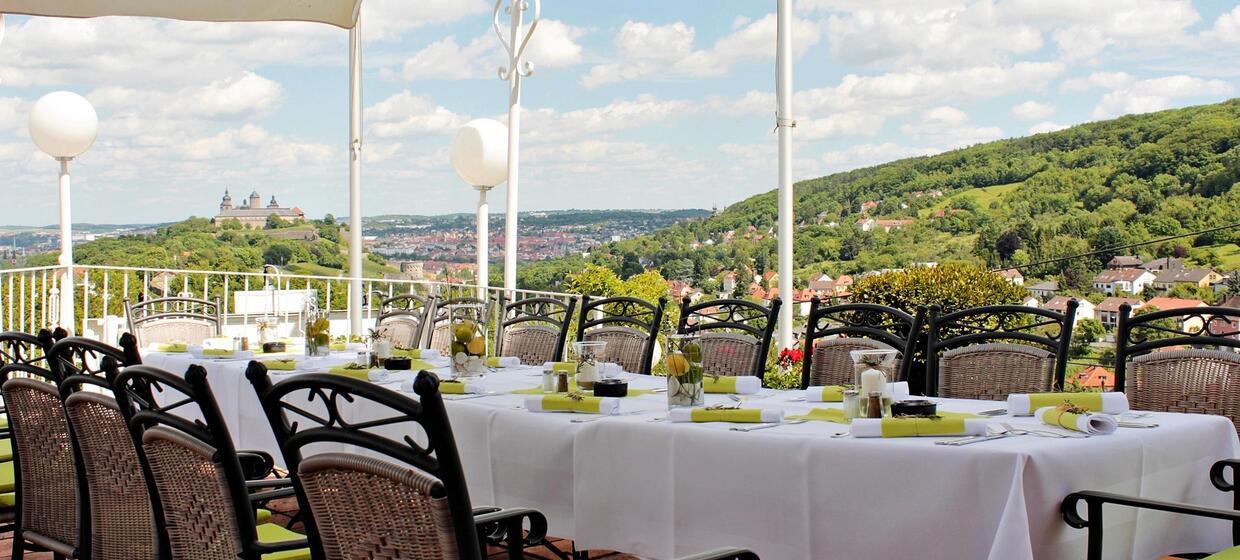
(255, 200)
(273, 203)
(226, 204)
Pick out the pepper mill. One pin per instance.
(874, 405)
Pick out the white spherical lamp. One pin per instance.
(63, 124)
(480, 152)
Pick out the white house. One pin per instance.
(1084, 309)
(1123, 281)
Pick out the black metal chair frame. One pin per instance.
(624, 311)
(1094, 501)
(545, 310)
(1001, 324)
(888, 325)
(17, 356)
(174, 308)
(733, 315)
(135, 388)
(438, 457)
(403, 305)
(1130, 342)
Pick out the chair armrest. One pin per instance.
(507, 525)
(723, 554)
(255, 464)
(269, 483)
(268, 548)
(271, 494)
(1218, 474)
(1094, 501)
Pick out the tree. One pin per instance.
(1233, 283)
(596, 281)
(1007, 244)
(278, 254)
(1085, 333)
(275, 222)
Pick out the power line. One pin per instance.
(1119, 248)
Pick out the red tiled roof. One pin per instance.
(1168, 303)
(1096, 377)
(1113, 303)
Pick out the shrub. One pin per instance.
(952, 287)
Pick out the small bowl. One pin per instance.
(273, 347)
(611, 388)
(398, 363)
(915, 407)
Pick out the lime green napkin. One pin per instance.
(1091, 401)
(833, 393)
(570, 367)
(559, 402)
(726, 415)
(1061, 419)
(336, 346)
(722, 384)
(171, 347)
(407, 353)
(451, 387)
(823, 415)
(363, 374)
(282, 365)
(218, 352)
(913, 427)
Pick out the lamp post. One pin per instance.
(517, 68)
(64, 125)
(480, 157)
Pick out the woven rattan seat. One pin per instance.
(174, 319)
(401, 318)
(832, 331)
(47, 489)
(832, 364)
(534, 329)
(532, 344)
(993, 371)
(629, 325)
(729, 353)
(735, 334)
(1196, 381)
(625, 346)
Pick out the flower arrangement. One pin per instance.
(684, 371)
(469, 348)
(318, 335)
(786, 371)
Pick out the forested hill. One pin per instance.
(1007, 202)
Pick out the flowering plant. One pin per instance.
(785, 373)
(790, 357)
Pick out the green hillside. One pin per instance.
(1010, 202)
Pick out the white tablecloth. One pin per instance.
(662, 490)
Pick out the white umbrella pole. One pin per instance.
(484, 214)
(355, 180)
(66, 250)
(785, 123)
(517, 68)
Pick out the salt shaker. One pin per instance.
(548, 381)
(852, 404)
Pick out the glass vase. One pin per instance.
(873, 371)
(467, 326)
(318, 333)
(684, 371)
(589, 358)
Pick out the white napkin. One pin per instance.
(747, 384)
(1112, 403)
(685, 414)
(427, 354)
(608, 405)
(899, 392)
(471, 388)
(198, 352)
(1093, 424)
(505, 361)
(873, 427)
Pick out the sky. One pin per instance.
(634, 104)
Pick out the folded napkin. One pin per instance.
(343, 346)
(218, 352)
(363, 374)
(1094, 424)
(823, 415)
(217, 342)
(835, 393)
(282, 365)
(503, 362)
(169, 347)
(449, 387)
(570, 367)
(725, 415)
(739, 384)
(417, 353)
(917, 427)
(564, 403)
(1024, 404)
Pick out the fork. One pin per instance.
(1039, 433)
(765, 426)
(602, 416)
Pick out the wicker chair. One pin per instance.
(401, 318)
(45, 513)
(534, 329)
(989, 352)
(630, 326)
(735, 333)
(174, 319)
(212, 513)
(1094, 500)
(1182, 360)
(832, 331)
(440, 338)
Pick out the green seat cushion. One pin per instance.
(7, 482)
(6, 449)
(262, 515)
(1232, 553)
(8, 500)
(270, 533)
(4, 421)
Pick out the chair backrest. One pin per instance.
(208, 514)
(77, 355)
(413, 495)
(44, 475)
(440, 339)
(535, 329)
(1216, 327)
(735, 333)
(994, 368)
(25, 348)
(832, 331)
(401, 319)
(1196, 380)
(174, 319)
(628, 324)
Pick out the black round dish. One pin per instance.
(917, 407)
(273, 347)
(611, 388)
(400, 363)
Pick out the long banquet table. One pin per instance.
(661, 489)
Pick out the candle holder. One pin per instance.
(588, 354)
(873, 371)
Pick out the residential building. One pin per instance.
(865, 224)
(1165, 263)
(1013, 276)
(1189, 323)
(822, 283)
(1107, 311)
(889, 225)
(1045, 288)
(843, 285)
(253, 214)
(1115, 281)
(1031, 301)
(1196, 277)
(1095, 377)
(1124, 261)
(1084, 309)
(1229, 326)
(728, 283)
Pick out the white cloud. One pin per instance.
(909, 34)
(1104, 80)
(386, 19)
(849, 123)
(554, 45)
(865, 155)
(948, 127)
(12, 110)
(1155, 94)
(644, 110)
(406, 114)
(652, 51)
(1082, 30)
(1032, 111)
(1226, 28)
(1046, 126)
(244, 95)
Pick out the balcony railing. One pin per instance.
(30, 297)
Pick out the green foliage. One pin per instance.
(1084, 333)
(1158, 329)
(951, 286)
(275, 222)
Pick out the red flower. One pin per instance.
(789, 357)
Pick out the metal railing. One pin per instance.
(29, 297)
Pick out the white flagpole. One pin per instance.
(355, 179)
(784, 122)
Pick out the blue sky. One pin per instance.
(636, 104)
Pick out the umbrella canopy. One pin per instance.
(341, 13)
